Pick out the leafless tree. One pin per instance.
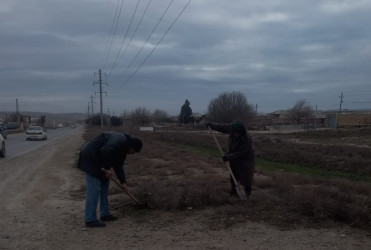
(301, 111)
(140, 116)
(159, 116)
(230, 106)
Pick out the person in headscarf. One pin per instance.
(240, 154)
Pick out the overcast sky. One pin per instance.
(275, 52)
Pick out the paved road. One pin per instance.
(17, 145)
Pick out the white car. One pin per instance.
(36, 133)
(2, 146)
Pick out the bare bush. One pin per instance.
(230, 106)
(140, 116)
(301, 111)
(173, 172)
(159, 116)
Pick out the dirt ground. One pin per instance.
(42, 207)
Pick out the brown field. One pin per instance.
(182, 171)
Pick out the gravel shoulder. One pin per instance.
(42, 204)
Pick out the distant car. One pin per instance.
(2, 146)
(3, 132)
(36, 133)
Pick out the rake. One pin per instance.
(136, 201)
(239, 188)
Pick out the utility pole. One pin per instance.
(100, 95)
(88, 110)
(315, 120)
(92, 106)
(256, 108)
(17, 113)
(16, 106)
(341, 102)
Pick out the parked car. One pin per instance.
(3, 132)
(2, 146)
(36, 133)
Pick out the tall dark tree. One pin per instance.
(185, 115)
(229, 107)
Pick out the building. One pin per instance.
(348, 118)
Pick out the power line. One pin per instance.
(110, 33)
(114, 32)
(135, 31)
(145, 43)
(123, 40)
(154, 48)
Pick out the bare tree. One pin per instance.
(159, 116)
(140, 116)
(230, 106)
(301, 111)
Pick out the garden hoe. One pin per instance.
(239, 188)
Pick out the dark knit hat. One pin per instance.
(136, 144)
(237, 127)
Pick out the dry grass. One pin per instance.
(179, 171)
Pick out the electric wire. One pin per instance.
(113, 36)
(135, 31)
(145, 43)
(154, 48)
(110, 33)
(123, 40)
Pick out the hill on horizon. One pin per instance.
(57, 117)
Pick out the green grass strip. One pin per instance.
(287, 167)
(305, 170)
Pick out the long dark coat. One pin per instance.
(240, 154)
(107, 150)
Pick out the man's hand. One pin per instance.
(125, 187)
(109, 173)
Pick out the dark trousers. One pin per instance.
(245, 180)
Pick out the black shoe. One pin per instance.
(95, 223)
(108, 218)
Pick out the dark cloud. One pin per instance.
(275, 52)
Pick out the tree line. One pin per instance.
(225, 108)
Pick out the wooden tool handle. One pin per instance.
(120, 186)
(222, 153)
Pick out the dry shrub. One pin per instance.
(169, 176)
(322, 203)
(347, 158)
